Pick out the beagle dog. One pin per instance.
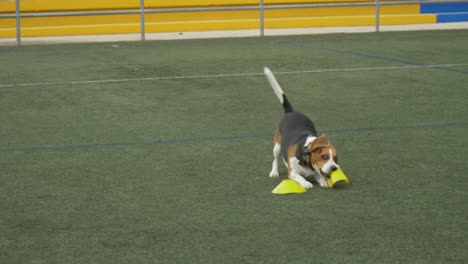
(296, 141)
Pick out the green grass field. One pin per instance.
(159, 152)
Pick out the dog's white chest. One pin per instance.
(296, 167)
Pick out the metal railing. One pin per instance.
(261, 7)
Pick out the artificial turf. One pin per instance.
(175, 170)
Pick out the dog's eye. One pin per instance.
(325, 157)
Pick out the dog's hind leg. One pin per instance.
(276, 154)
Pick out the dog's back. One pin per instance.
(295, 128)
(294, 124)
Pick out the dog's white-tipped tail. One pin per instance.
(274, 84)
(278, 91)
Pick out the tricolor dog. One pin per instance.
(296, 141)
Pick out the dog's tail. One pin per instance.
(278, 91)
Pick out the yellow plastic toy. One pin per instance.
(288, 186)
(337, 176)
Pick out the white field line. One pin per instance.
(232, 75)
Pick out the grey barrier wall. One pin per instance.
(261, 7)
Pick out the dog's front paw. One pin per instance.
(323, 183)
(306, 185)
(274, 174)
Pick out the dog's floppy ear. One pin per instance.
(319, 143)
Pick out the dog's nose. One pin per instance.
(333, 168)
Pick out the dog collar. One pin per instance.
(306, 157)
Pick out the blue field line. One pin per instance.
(374, 57)
(396, 128)
(381, 58)
(131, 144)
(229, 138)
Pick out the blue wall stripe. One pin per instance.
(456, 17)
(446, 13)
(444, 8)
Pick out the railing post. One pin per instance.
(262, 18)
(18, 23)
(377, 16)
(142, 20)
